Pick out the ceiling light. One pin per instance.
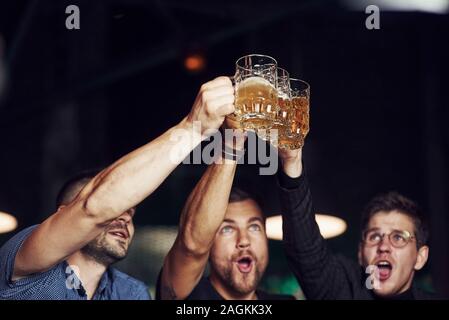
(330, 226)
(7, 222)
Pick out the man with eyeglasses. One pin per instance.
(393, 246)
(392, 249)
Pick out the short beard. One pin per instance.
(102, 252)
(225, 274)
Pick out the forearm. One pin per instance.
(201, 217)
(135, 176)
(307, 253)
(132, 178)
(300, 230)
(206, 206)
(297, 208)
(305, 247)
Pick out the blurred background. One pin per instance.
(79, 99)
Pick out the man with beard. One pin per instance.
(96, 257)
(392, 249)
(226, 227)
(68, 255)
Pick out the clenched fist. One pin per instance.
(214, 101)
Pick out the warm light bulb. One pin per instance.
(330, 226)
(7, 222)
(194, 62)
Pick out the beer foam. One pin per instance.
(255, 81)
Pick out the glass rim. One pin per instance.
(285, 70)
(275, 64)
(283, 82)
(302, 81)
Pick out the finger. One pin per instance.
(217, 82)
(219, 101)
(226, 109)
(218, 92)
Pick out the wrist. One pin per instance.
(233, 139)
(292, 167)
(228, 153)
(192, 128)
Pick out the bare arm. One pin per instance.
(122, 185)
(201, 217)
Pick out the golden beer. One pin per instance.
(288, 141)
(291, 124)
(300, 121)
(284, 109)
(256, 103)
(280, 134)
(280, 123)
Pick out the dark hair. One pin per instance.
(73, 186)
(394, 201)
(238, 194)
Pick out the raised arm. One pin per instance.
(200, 219)
(123, 185)
(319, 273)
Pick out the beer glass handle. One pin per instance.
(231, 120)
(232, 78)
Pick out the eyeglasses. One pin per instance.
(398, 238)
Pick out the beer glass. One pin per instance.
(300, 92)
(255, 91)
(292, 121)
(282, 116)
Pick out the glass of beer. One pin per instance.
(282, 116)
(255, 91)
(292, 121)
(300, 92)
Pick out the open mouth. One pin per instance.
(119, 234)
(245, 264)
(385, 269)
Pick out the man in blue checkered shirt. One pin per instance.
(86, 271)
(68, 256)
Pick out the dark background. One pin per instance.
(78, 99)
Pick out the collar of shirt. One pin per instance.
(77, 285)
